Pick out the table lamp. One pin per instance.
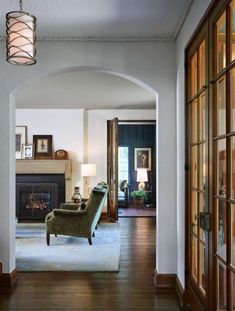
(88, 170)
(142, 177)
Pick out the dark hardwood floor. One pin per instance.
(130, 289)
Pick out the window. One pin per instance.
(123, 167)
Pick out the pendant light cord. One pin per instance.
(21, 5)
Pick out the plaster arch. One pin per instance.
(56, 72)
(140, 62)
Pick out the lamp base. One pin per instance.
(141, 185)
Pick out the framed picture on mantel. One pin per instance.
(43, 147)
(20, 139)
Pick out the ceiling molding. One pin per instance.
(168, 38)
(182, 20)
(100, 39)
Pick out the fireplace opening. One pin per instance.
(38, 194)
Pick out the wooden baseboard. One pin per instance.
(164, 282)
(169, 283)
(179, 291)
(7, 280)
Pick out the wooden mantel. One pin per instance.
(48, 167)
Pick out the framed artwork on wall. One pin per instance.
(20, 139)
(142, 158)
(28, 151)
(43, 146)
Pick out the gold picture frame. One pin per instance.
(142, 158)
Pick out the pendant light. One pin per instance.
(20, 37)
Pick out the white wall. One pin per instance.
(66, 126)
(195, 14)
(151, 64)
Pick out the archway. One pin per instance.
(91, 69)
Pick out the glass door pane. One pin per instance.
(221, 106)
(222, 287)
(194, 258)
(202, 67)
(194, 169)
(232, 99)
(221, 42)
(232, 27)
(232, 209)
(221, 167)
(194, 75)
(194, 121)
(202, 280)
(221, 229)
(233, 168)
(202, 117)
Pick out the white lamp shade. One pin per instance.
(88, 170)
(20, 38)
(142, 175)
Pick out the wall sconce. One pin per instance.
(142, 177)
(20, 37)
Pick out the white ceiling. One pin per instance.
(90, 90)
(103, 19)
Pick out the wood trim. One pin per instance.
(165, 282)
(7, 280)
(169, 283)
(179, 291)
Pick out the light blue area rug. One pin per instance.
(67, 253)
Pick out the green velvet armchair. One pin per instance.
(69, 220)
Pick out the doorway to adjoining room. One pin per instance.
(136, 169)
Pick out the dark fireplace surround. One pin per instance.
(38, 194)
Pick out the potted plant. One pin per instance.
(138, 198)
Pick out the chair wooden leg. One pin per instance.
(48, 239)
(90, 241)
(93, 234)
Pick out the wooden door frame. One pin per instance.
(122, 121)
(112, 211)
(192, 294)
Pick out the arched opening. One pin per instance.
(68, 71)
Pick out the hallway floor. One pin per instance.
(136, 212)
(132, 289)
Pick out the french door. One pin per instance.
(198, 219)
(210, 145)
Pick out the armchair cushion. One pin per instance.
(70, 206)
(68, 213)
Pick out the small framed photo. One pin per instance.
(20, 139)
(143, 158)
(43, 146)
(28, 151)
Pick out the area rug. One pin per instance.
(67, 253)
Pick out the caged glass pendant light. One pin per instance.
(20, 37)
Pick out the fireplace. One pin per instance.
(38, 194)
